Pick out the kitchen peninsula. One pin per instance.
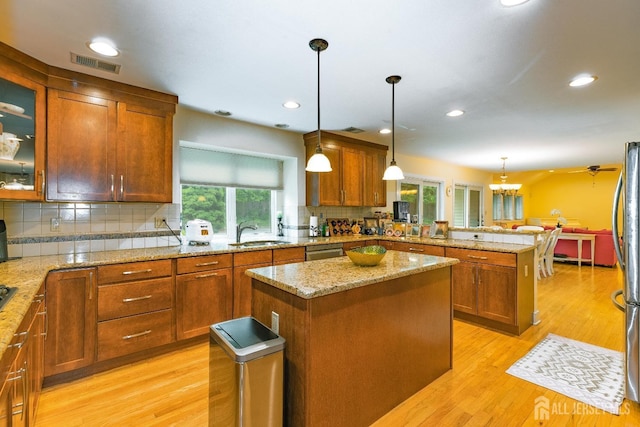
(360, 340)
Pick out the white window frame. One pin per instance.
(467, 188)
(420, 181)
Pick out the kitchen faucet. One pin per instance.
(240, 229)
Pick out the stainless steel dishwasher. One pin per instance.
(323, 251)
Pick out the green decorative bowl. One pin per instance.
(367, 256)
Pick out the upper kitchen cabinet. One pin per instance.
(354, 180)
(107, 141)
(22, 126)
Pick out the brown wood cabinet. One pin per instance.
(135, 307)
(71, 311)
(23, 82)
(288, 255)
(101, 149)
(493, 288)
(420, 248)
(22, 368)
(350, 182)
(204, 293)
(375, 188)
(243, 261)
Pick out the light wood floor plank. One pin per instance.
(171, 390)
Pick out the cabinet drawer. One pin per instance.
(288, 254)
(134, 333)
(203, 263)
(127, 299)
(419, 248)
(484, 257)
(133, 271)
(254, 257)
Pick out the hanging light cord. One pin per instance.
(393, 123)
(318, 147)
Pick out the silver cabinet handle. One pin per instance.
(46, 322)
(24, 336)
(477, 257)
(113, 189)
(204, 276)
(205, 264)
(139, 334)
(136, 298)
(126, 273)
(416, 250)
(121, 187)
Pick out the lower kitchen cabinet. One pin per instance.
(492, 288)
(22, 368)
(243, 261)
(419, 248)
(71, 310)
(204, 293)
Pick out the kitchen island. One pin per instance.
(359, 340)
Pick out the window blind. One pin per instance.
(204, 166)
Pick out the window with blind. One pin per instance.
(507, 207)
(227, 188)
(467, 206)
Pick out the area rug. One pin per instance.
(585, 372)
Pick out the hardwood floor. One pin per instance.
(171, 390)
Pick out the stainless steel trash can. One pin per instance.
(245, 374)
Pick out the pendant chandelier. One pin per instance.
(393, 172)
(503, 187)
(318, 162)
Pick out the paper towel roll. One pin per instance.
(313, 226)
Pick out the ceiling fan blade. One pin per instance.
(580, 171)
(607, 169)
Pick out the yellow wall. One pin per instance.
(577, 195)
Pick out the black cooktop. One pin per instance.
(6, 293)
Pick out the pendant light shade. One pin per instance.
(393, 172)
(318, 162)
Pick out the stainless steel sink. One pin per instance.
(253, 243)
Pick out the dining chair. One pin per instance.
(542, 243)
(548, 255)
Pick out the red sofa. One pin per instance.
(605, 253)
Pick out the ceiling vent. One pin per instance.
(95, 63)
(353, 130)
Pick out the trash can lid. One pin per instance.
(246, 338)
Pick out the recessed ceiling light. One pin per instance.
(512, 2)
(103, 48)
(291, 105)
(455, 113)
(281, 125)
(384, 131)
(582, 81)
(222, 113)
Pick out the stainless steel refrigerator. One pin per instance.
(627, 197)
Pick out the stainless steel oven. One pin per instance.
(323, 251)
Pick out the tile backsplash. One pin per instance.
(86, 227)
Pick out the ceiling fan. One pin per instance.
(594, 169)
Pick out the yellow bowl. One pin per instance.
(367, 256)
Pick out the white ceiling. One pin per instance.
(508, 68)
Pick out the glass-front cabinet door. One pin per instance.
(22, 134)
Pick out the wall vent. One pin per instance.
(94, 63)
(353, 130)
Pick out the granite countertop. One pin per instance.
(29, 273)
(340, 274)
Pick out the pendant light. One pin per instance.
(318, 162)
(504, 187)
(393, 172)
